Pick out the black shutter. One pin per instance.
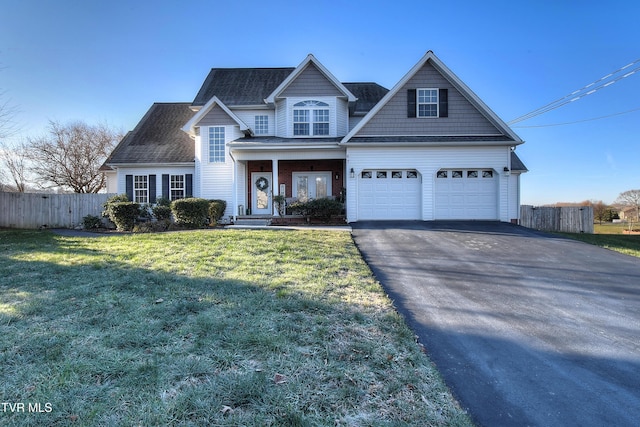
(188, 185)
(152, 188)
(128, 180)
(443, 97)
(411, 103)
(165, 186)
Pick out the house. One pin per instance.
(629, 213)
(427, 149)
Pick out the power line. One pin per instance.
(576, 94)
(580, 121)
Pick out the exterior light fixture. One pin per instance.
(352, 174)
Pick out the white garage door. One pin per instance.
(389, 194)
(466, 194)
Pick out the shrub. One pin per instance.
(162, 213)
(124, 214)
(108, 207)
(191, 212)
(90, 222)
(298, 208)
(163, 201)
(110, 201)
(319, 208)
(324, 208)
(216, 210)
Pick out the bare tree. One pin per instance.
(600, 210)
(7, 115)
(14, 167)
(70, 156)
(630, 198)
(8, 112)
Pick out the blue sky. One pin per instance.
(108, 61)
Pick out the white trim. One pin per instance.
(428, 144)
(437, 103)
(191, 124)
(149, 165)
(454, 80)
(268, 191)
(311, 175)
(299, 69)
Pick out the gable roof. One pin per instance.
(451, 78)
(310, 59)
(190, 126)
(157, 138)
(240, 86)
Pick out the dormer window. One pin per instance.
(311, 118)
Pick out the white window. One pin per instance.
(216, 144)
(312, 185)
(311, 118)
(141, 189)
(427, 103)
(261, 125)
(176, 187)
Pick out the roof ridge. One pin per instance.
(253, 68)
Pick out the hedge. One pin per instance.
(323, 208)
(124, 214)
(216, 210)
(191, 212)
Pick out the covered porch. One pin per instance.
(260, 176)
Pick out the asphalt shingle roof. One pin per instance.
(158, 138)
(368, 95)
(240, 86)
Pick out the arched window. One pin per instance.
(310, 118)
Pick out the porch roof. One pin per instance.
(278, 143)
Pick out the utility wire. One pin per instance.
(575, 95)
(580, 121)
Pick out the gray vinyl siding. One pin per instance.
(216, 117)
(309, 83)
(464, 118)
(342, 117)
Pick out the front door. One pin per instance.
(261, 193)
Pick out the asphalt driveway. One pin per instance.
(527, 328)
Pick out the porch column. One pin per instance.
(275, 185)
(234, 197)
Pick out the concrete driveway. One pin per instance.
(527, 328)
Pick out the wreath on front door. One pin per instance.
(262, 183)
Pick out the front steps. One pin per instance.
(253, 221)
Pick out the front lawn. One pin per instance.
(225, 327)
(626, 244)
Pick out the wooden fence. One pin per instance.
(40, 210)
(578, 219)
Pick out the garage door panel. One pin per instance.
(466, 194)
(389, 194)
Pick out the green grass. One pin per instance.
(226, 327)
(610, 227)
(610, 236)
